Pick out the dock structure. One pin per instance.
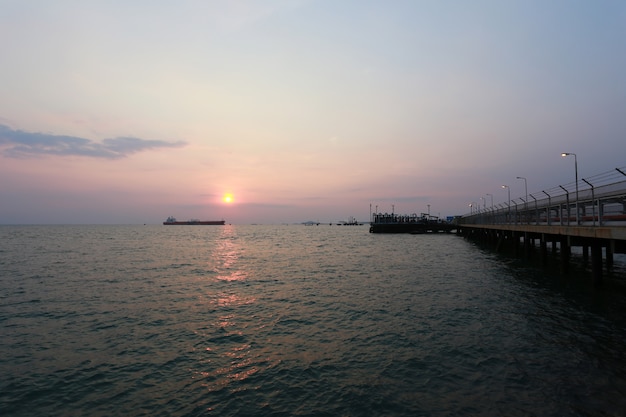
(595, 221)
(399, 223)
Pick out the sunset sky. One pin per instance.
(126, 112)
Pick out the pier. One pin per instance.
(590, 214)
(398, 223)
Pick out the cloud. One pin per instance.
(21, 144)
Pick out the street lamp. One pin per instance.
(525, 188)
(564, 154)
(509, 190)
(492, 213)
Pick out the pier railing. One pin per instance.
(595, 201)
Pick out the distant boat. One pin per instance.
(351, 222)
(193, 222)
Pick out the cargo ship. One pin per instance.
(172, 221)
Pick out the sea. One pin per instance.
(294, 320)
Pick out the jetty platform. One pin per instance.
(397, 223)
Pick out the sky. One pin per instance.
(127, 112)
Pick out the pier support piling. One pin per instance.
(610, 250)
(596, 263)
(565, 254)
(521, 242)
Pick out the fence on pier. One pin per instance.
(595, 201)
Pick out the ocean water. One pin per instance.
(297, 321)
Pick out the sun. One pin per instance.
(228, 198)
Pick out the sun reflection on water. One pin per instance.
(226, 257)
(228, 357)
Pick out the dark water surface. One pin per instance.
(296, 320)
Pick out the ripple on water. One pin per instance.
(289, 320)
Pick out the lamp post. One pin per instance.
(509, 190)
(492, 213)
(525, 188)
(564, 154)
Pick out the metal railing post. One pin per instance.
(536, 210)
(593, 201)
(567, 205)
(549, 207)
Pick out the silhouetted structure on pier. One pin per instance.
(401, 223)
